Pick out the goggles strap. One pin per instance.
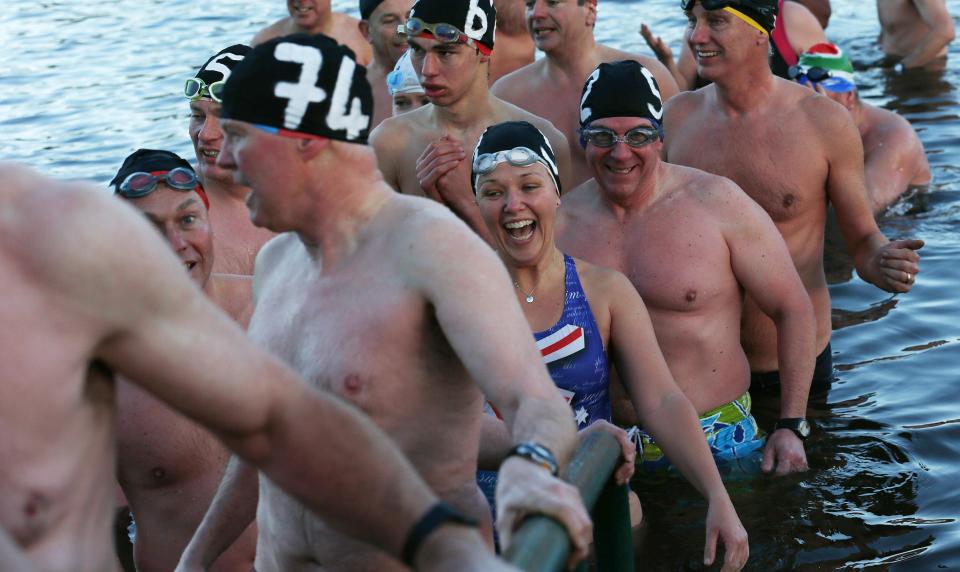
(753, 23)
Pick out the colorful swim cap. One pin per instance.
(475, 18)
(830, 58)
(305, 84)
(219, 67)
(513, 135)
(403, 78)
(761, 14)
(154, 161)
(604, 94)
(367, 7)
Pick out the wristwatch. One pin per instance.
(536, 453)
(439, 514)
(799, 425)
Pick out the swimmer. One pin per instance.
(168, 466)
(796, 30)
(383, 300)
(317, 17)
(379, 22)
(692, 244)
(915, 33)
(92, 290)
(550, 86)
(747, 110)
(236, 240)
(404, 87)
(425, 152)
(600, 315)
(893, 155)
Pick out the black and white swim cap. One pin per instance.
(511, 135)
(220, 66)
(475, 18)
(305, 84)
(621, 89)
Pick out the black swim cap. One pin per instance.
(367, 7)
(513, 134)
(152, 161)
(621, 89)
(219, 67)
(306, 84)
(475, 18)
(763, 12)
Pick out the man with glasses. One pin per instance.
(317, 17)
(893, 156)
(168, 466)
(91, 290)
(915, 33)
(793, 152)
(386, 300)
(236, 239)
(691, 243)
(426, 152)
(549, 87)
(379, 23)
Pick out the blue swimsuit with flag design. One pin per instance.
(576, 359)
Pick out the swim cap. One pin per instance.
(761, 14)
(403, 78)
(832, 59)
(513, 134)
(367, 7)
(605, 94)
(301, 83)
(153, 161)
(475, 18)
(219, 67)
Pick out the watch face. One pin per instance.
(804, 427)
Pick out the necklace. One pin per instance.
(529, 294)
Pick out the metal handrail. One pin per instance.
(541, 543)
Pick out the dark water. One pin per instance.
(82, 84)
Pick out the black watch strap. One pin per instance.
(537, 454)
(799, 425)
(438, 515)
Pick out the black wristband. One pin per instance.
(536, 454)
(438, 515)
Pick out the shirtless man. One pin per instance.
(796, 30)
(515, 47)
(317, 17)
(235, 240)
(893, 155)
(550, 86)
(692, 244)
(379, 20)
(915, 33)
(89, 288)
(425, 152)
(793, 152)
(375, 297)
(168, 467)
(820, 9)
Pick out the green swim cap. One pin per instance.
(830, 59)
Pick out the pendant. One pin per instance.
(530, 299)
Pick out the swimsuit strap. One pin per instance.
(781, 42)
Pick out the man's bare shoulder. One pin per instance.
(513, 112)
(712, 192)
(668, 85)
(685, 103)
(279, 28)
(395, 133)
(516, 84)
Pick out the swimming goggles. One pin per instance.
(762, 8)
(518, 157)
(444, 33)
(195, 88)
(636, 137)
(814, 74)
(141, 183)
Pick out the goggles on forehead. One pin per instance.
(443, 33)
(636, 137)
(142, 183)
(815, 74)
(518, 157)
(195, 88)
(720, 4)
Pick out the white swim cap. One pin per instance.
(403, 78)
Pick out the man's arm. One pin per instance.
(231, 511)
(803, 28)
(935, 15)
(891, 266)
(665, 55)
(158, 330)
(893, 166)
(763, 266)
(388, 146)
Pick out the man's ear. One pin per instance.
(365, 29)
(591, 8)
(310, 148)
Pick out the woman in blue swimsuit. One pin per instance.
(579, 311)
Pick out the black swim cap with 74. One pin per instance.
(306, 84)
(621, 89)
